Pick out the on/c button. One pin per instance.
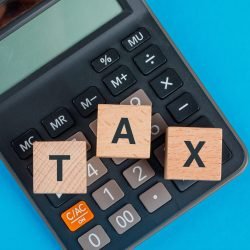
(77, 216)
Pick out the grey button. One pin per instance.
(93, 127)
(137, 98)
(155, 197)
(96, 170)
(96, 238)
(79, 136)
(138, 173)
(124, 219)
(160, 154)
(118, 161)
(108, 194)
(158, 126)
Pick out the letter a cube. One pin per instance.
(123, 131)
(193, 154)
(59, 167)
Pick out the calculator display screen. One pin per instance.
(49, 34)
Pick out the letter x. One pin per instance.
(194, 154)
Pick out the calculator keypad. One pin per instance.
(58, 122)
(183, 107)
(96, 169)
(119, 80)
(136, 39)
(166, 83)
(59, 199)
(108, 194)
(138, 173)
(155, 197)
(150, 59)
(124, 219)
(23, 144)
(87, 102)
(105, 60)
(79, 136)
(137, 98)
(96, 238)
(158, 127)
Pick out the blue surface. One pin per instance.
(214, 37)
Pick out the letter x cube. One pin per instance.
(193, 154)
(59, 167)
(123, 131)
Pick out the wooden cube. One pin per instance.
(123, 131)
(193, 154)
(59, 167)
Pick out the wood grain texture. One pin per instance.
(109, 117)
(177, 153)
(45, 170)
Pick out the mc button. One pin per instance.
(23, 144)
(58, 122)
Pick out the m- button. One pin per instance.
(23, 144)
(58, 122)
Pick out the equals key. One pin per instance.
(183, 107)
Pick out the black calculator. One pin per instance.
(61, 59)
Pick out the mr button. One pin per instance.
(59, 167)
(124, 131)
(193, 154)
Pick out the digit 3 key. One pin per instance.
(123, 56)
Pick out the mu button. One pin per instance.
(193, 154)
(59, 167)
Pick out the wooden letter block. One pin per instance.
(124, 131)
(59, 167)
(193, 154)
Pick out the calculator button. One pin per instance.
(59, 199)
(137, 98)
(135, 39)
(77, 216)
(160, 154)
(166, 83)
(96, 170)
(150, 59)
(23, 144)
(119, 80)
(138, 173)
(108, 194)
(183, 107)
(87, 102)
(93, 127)
(94, 239)
(79, 136)
(183, 185)
(124, 219)
(105, 60)
(58, 122)
(155, 197)
(204, 122)
(158, 127)
(118, 161)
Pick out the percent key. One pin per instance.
(105, 60)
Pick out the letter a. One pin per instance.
(124, 123)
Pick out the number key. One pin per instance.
(108, 194)
(138, 173)
(96, 170)
(96, 238)
(124, 219)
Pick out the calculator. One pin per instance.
(61, 59)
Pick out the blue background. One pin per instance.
(215, 39)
